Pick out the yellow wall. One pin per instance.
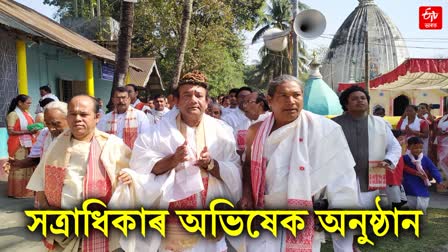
(385, 98)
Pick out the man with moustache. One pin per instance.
(292, 157)
(186, 161)
(125, 121)
(79, 160)
(159, 110)
(256, 110)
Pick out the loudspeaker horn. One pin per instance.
(309, 24)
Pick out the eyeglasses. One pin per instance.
(251, 102)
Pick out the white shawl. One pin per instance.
(152, 191)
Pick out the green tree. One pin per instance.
(215, 43)
(183, 39)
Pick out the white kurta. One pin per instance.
(42, 142)
(235, 118)
(39, 109)
(155, 116)
(114, 156)
(327, 153)
(158, 191)
(143, 123)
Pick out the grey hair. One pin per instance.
(277, 81)
(61, 106)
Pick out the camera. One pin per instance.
(434, 106)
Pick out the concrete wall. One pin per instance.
(47, 64)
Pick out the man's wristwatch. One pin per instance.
(211, 165)
(388, 162)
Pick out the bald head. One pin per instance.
(82, 117)
(85, 98)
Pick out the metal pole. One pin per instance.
(366, 64)
(295, 41)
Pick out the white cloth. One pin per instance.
(74, 175)
(155, 116)
(114, 157)
(228, 110)
(245, 124)
(235, 118)
(416, 126)
(158, 191)
(418, 203)
(393, 194)
(443, 123)
(42, 142)
(418, 164)
(366, 202)
(388, 124)
(327, 158)
(382, 142)
(143, 123)
(39, 109)
(442, 144)
(137, 101)
(25, 140)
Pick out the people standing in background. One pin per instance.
(133, 95)
(214, 110)
(45, 92)
(412, 126)
(20, 142)
(381, 112)
(39, 118)
(159, 110)
(442, 143)
(100, 104)
(125, 121)
(233, 103)
(237, 116)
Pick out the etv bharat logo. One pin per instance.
(430, 17)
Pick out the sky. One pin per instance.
(404, 14)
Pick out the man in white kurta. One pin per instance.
(370, 140)
(256, 111)
(238, 116)
(159, 111)
(185, 161)
(78, 160)
(293, 156)
(125, 121)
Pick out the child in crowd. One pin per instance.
(394, 190)
(418, 172)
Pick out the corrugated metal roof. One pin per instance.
(148, 65)
(20, 17)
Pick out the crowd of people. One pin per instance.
(260, 151)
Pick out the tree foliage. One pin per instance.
(215, 43)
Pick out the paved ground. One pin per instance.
(14, 236)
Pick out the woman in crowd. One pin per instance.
(442, 143)
(412, 126)
(19, 143)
